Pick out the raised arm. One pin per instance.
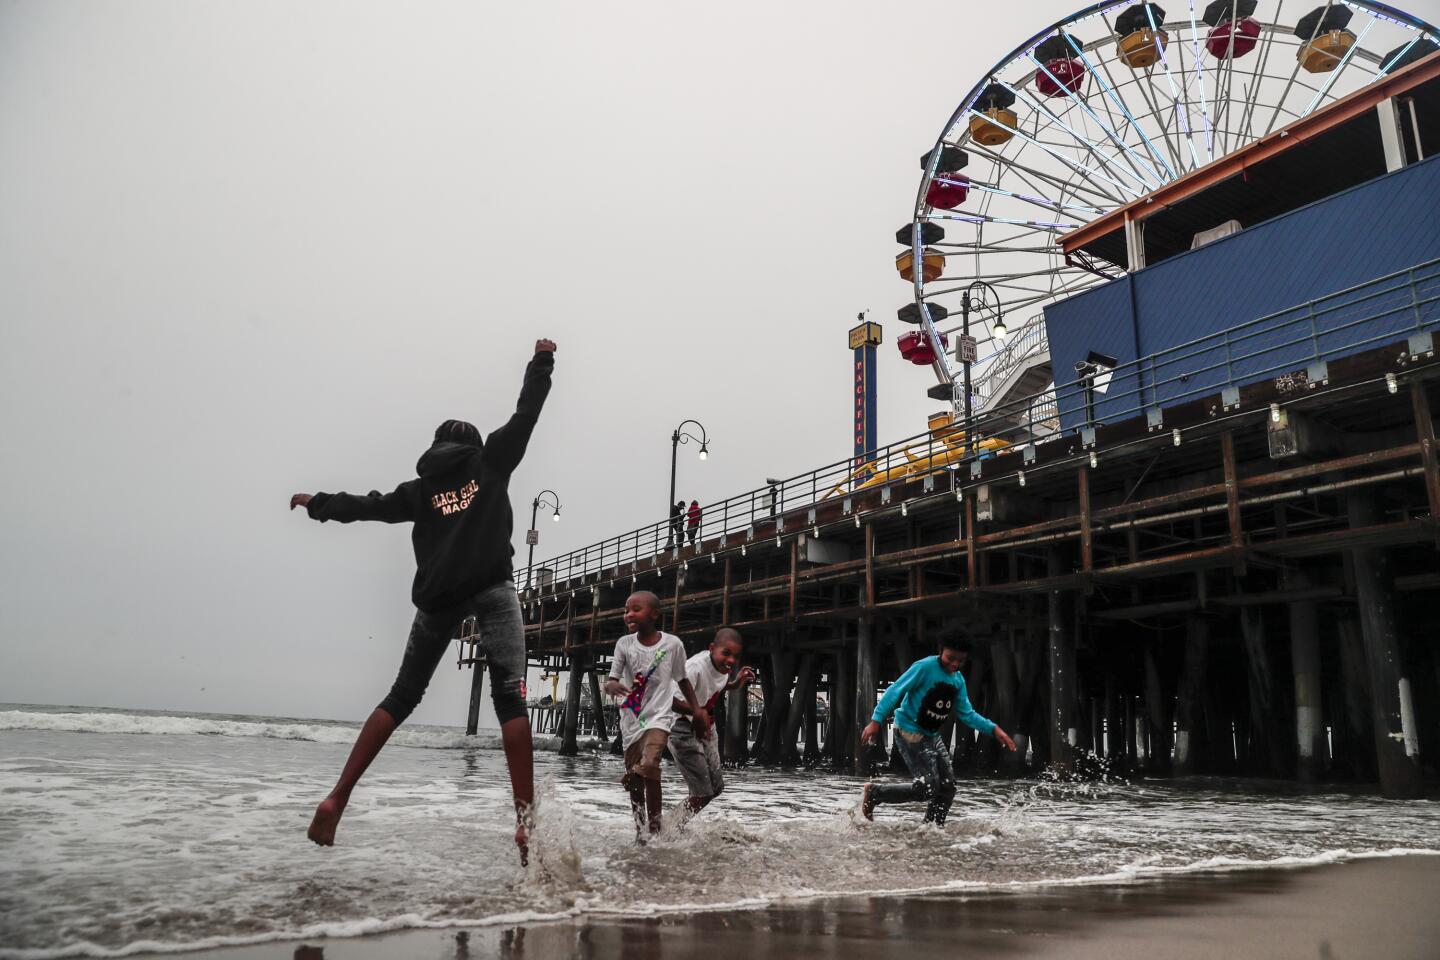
(398, 506)
(505, 447)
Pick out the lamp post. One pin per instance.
(532, 536)
(966, 348)
(679, 436)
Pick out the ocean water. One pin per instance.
(125, 833)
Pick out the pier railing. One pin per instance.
(1291, 346)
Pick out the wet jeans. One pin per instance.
(502, 636)
(929, 762)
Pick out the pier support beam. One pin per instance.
(1063, 725)
(1397, 747)
(1269, 720)
(864, 692)
(840, 739)
(1305, 664)
(802, 702)
(472, 716)
(1157, 715)
(1188, 740)
(737, 726)
(568, 746)
(596, 699)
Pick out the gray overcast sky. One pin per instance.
(248, 249)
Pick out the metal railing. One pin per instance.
(1290, 346)
(1025, 343)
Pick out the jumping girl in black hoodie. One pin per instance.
(460, 506)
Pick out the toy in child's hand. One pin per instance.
(637, 694)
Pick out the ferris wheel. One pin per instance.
(1091, 114)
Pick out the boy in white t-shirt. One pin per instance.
(648, 670)
(693, 742)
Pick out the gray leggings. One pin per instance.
(502, 634)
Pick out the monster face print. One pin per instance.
(936, 705)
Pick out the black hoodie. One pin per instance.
(460, 504)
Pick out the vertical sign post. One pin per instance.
(863, 340)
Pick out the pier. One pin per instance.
(1244, 585)
(1212, 550)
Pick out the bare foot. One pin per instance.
(327, 818)
(522, 840)
(867, 805)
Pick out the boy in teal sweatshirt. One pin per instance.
(922, 700)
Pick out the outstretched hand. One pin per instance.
(869, 733)
(300, 500)
(544, 345)
(1004, 739)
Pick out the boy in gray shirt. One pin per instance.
(712, 673)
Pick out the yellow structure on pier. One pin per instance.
(920, 458)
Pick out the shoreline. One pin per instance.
(1374, 907)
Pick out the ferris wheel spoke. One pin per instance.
(1252, 91)
(1295, 72)
(976, 249)
(1157, 116)
(1091, 173)
(1130, 155)
(1200, 82)
(1183, 120)
(1044, 203)
(1021, 170)
(1082, 141)
(1109, 89)
(1047, 226)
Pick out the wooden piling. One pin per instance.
(477, 680)
(568, 746)
(840, 743)
(1397, 748)
(1267, 722)
(865, 683)
(1305, 667)
(1062, 722)
(596, 700)
(801, 703)
(1189, 744)
(1157, 714)
(737, 726)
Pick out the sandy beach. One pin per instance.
(1380, 909)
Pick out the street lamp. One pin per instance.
(679, 436)
(532, 536)
(967, 352)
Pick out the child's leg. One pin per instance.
(699, 763)
(646, 770)
(918, 789)
(502, 632)
(634, 783)
(429, 638)
(942, 787)
(652, 804)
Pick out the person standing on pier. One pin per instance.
(693, 516)
(711, 673)
(460, 507)
(922, 700)
(677, 525)
(653, 664)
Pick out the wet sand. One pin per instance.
(1378, 909)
